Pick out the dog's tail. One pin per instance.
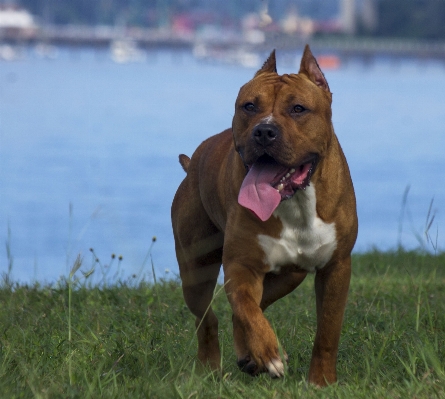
(184, 160)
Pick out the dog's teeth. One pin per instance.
(288, 175)
(292, 170)
(280, 187)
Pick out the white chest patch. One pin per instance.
(305, 240)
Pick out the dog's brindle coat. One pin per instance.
(283, 121)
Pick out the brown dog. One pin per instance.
(271, 200)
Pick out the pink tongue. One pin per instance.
(256, 193)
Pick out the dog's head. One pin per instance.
(282, 128)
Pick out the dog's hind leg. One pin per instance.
(199, 252)
(198, 284)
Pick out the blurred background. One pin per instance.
(98, 98)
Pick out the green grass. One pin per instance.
(137, 341)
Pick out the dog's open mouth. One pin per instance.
(267, 183)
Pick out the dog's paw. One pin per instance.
(275, 368)
(248, 365)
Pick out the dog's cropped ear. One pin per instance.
(269, 66)
(310, 68)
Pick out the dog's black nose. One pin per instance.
(265, 134)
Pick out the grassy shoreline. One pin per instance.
(138, 340)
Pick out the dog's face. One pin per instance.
(282, 124)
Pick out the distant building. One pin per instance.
(370, 16)
(348, 16)
(295, 24)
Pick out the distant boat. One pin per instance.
(125, 51)
(247, 59)
(329, 61)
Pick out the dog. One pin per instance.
(270, 199)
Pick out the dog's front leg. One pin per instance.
(255, 342)
(331, 288)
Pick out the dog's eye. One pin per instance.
(298, 109)
(249, 107)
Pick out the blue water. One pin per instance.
(88, 153)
